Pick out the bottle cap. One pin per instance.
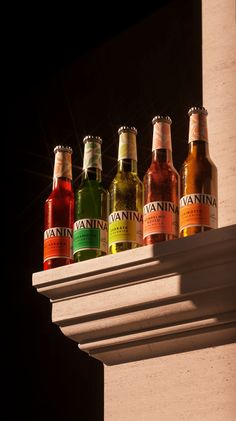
(164, 119)
(197, 110)
(127, 129)
(90, 138)
(60, 148)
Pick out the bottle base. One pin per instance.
(117, 248)
(82, 255)
(55, 263)
(187, 232)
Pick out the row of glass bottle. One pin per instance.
(165, 206)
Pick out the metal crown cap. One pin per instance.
(164, 119)
(60, 148)
(92, 138)
(127, 129)
(197, 110)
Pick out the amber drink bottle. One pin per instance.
(198, 201)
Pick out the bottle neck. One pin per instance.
(62, 174)
(127, 148)
(161, 138)
(92, 174)
(92, 164)
(127, 165)
(198, 135)
(198, 127)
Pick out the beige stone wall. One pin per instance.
(198, 385)
(219, 97)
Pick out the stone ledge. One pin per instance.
(155, 300)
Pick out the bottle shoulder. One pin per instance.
(60, 194)
(91, 184)
(126, 177)
(162, 169)
(200, 162)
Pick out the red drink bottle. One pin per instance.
(59, 212)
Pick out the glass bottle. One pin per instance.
(91, 206)
(198, 201)
(59, 212)
(161, 188)
(126, 197)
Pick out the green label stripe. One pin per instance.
(87, 238)
(90, 234)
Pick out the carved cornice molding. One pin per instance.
(155, 300)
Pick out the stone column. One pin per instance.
(219, 97)
(162, 320)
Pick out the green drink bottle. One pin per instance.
(91, 206)
(126, 197)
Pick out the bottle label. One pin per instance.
(90, 234)
(125, 226)
(92, 155)
(58, 243)
(198, 210)
(198, 127)
(127, 147)
(62, 165)
(160, 218)
(161, 136)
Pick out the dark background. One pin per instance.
(73, 72)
